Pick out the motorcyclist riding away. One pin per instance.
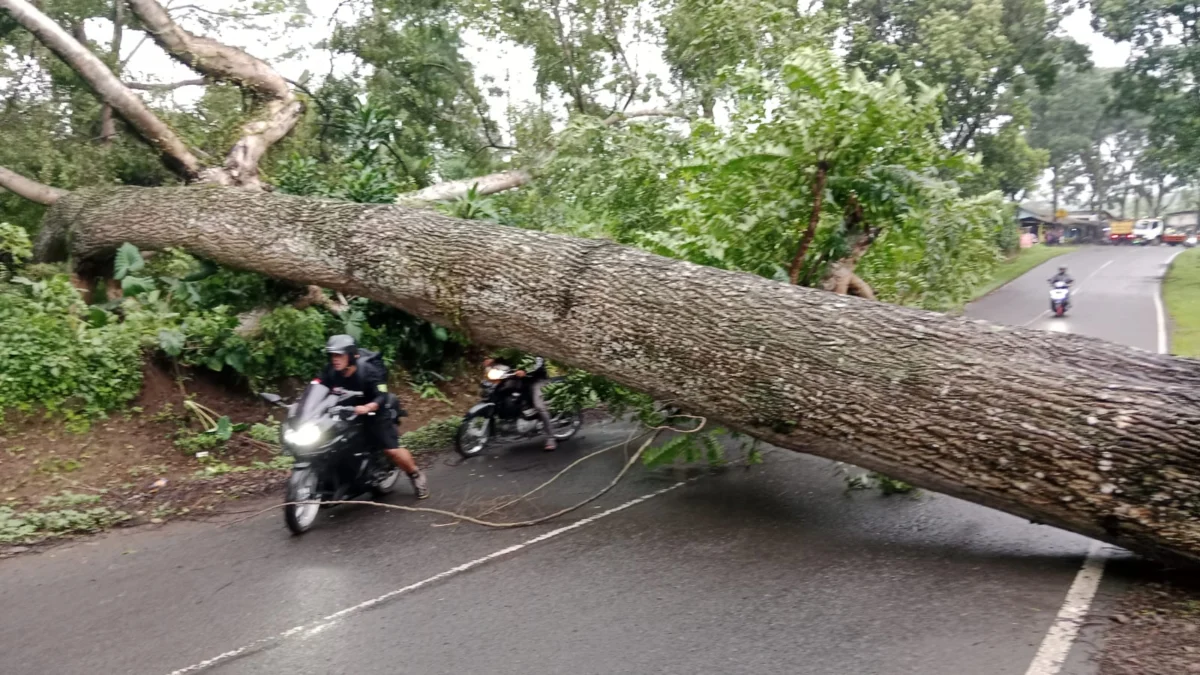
(349, 370)
(534, 380)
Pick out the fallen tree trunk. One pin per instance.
(1065, 430)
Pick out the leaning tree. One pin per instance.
(1070, 431)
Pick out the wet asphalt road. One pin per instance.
(770, 570)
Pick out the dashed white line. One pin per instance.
(1052, 653)
(1164, 339)
(1055, 647)
(327, 621)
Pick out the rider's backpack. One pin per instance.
(372, 362)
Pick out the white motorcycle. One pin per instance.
(1059, 298)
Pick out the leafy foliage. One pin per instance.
(740, 196)
(57, 356)
(56, 514)
(436, 435)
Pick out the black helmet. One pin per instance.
(342, 344)
(1062, 269)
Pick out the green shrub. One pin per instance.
(290, 343)
(57, 358)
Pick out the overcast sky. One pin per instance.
(510, 66)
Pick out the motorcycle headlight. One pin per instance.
(306, 435)
(495, 374)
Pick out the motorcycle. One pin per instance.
(1059, 298)
(333, 457)
(505, 410)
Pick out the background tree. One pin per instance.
(986, 54)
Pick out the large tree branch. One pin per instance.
(29, 189)
(1094, 437)
(483, 185)
(280, 110)
(512, 178)
(107, 86)
(167, 86)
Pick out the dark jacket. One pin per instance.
(370, 377)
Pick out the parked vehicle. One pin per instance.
(1060, 294)
(1173, 236)
(334, 460)
(505, 410)
(1148, 231)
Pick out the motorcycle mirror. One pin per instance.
(273, 399)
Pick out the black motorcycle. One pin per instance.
(334, 460)
(506, 411)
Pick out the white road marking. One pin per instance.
(325, 622)
(1164, 338)
(1057, 644)
(1055, 647)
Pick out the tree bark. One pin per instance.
(842, 277)
(814, 219)
(280, 109)
(455, 189)
(29, 189)
(1066, 430)
(106, 85)
(167, 86)
(108, 126)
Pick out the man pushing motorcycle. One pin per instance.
(348, 371)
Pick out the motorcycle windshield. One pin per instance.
(313, 403)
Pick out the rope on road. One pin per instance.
(524, 523)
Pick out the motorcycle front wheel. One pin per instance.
(473, 436)
(387, 484)
(302, 486)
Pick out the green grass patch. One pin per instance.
(1181, 294)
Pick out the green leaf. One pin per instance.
(131, 286)
(97, 317)
(224, 429)
(129, 259)
(171, 341)
(236, 359)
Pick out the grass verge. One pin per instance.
(1181, 294)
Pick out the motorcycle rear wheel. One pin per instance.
(566, 424)
(302, 486)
